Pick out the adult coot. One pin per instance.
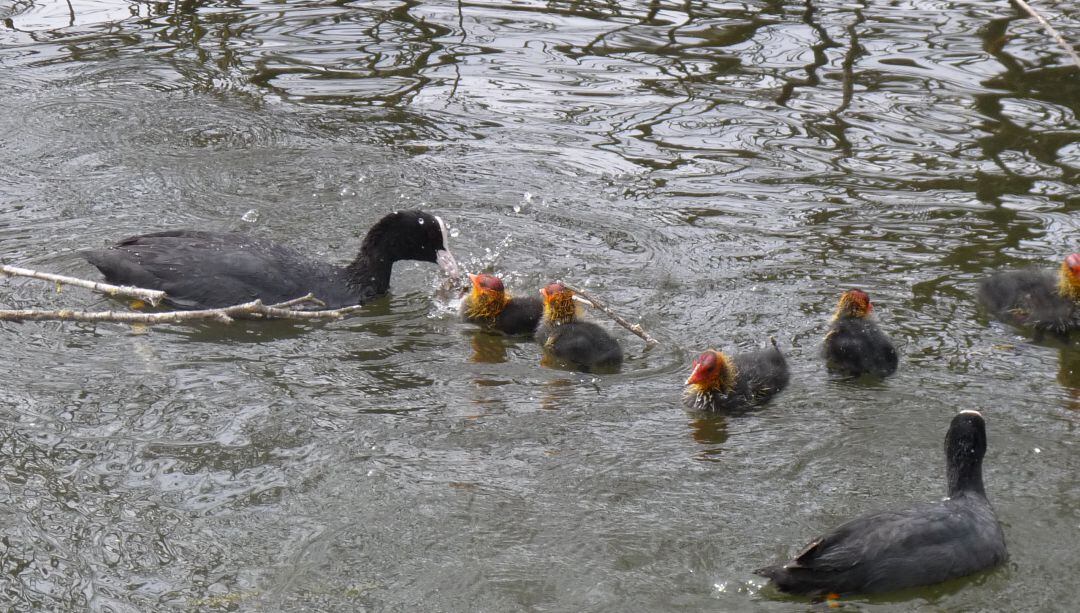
(892, 550)
(854, 345)
(721, 383)
(1036, 298)
(200, 270)
(564, 336)
(490, 306)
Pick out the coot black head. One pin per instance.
(965, 446)
(405, 235)
(853, 303)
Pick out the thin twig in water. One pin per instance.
(152, 296)
(309, 298)
(635, 328)
(1050, 30)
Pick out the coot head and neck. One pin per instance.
(965, 446)
(712, 372)
(401, 235)
(487, 299)
(853, 304)
(1069, 278)
(559, 306)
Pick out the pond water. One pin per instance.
(718, 171)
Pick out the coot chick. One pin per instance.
(200, 270)
(854, 345)
(892, 550)
(1036, 298)
(721, 383)
(490, 306)
(583, 344)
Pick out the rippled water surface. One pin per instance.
(718, 171)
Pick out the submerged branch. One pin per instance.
(152, 296)
(253, 309)
(600, 306)
(1064, 44)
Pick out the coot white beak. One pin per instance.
(447, 263)
(443, 257)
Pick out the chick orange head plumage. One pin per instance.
(1069, 279)
(488, 297)
(853, 304)
(712, 371)
(559, 304)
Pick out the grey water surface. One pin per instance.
(718, 171)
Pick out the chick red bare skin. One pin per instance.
(722, 383)
(490, 306)
(1039, 299)
(854, 345)
(582, 344)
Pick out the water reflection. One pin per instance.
(711, 431)
(488, 348)
(1068, 374)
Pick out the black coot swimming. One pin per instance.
(562, 335)
(854, 345)
(721, 383)
(201, 270)
(489, 305)
(925, 544)
(1036, 298)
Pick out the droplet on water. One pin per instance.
(251, 216)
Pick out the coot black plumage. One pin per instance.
(925, 544)
(562, 335)
(854, 345)
(199, 270)
(489, 305)
(1036, 298)
(721, 383)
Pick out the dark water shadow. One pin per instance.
(711, 431)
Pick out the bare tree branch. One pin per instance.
(152, 296)
(600, 306)
(309, 298)
(253, 309)
(1050, 30)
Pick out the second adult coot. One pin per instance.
(201, 270)
(921, 545)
